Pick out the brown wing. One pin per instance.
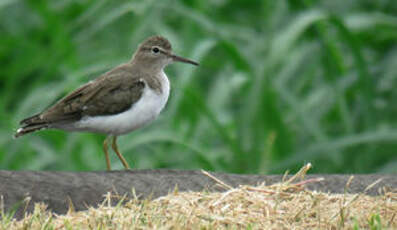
(112, 93)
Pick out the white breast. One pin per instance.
(141, 113)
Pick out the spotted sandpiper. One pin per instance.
(117, 102)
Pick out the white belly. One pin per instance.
(141, 113)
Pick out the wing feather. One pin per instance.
(111, 93)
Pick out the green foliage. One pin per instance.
(375, 222)
(280, 83)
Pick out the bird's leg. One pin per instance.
(105, 150)
(116, 149)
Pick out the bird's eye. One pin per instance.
(155, 50)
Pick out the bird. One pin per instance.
(117, 102)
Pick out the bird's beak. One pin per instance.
(182, 59)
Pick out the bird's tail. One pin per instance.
(31, 124)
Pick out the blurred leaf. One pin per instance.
(322, 148)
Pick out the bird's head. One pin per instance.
(156, 51)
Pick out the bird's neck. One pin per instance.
(158, 82)
(147, 67)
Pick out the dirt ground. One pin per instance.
(83, 189)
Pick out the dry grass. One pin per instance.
(286, 205)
